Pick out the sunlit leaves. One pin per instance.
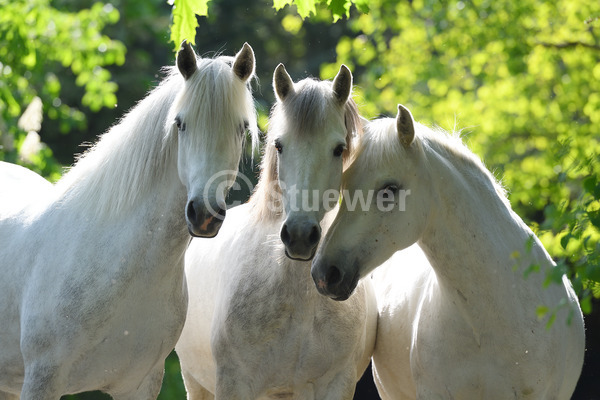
(35, 39)
(184, 14)
(338, 8)
(279, 4)
(184, 19)
(305, 7)
(362, 5)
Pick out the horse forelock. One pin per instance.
(216, 101)
(303, 110)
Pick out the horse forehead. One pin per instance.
(367, 169)
(312, 138)
(309, 111)
(216, 78)
(323, 129)
(381, 150)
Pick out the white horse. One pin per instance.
(93, 294)
(20, 187)
(256, 327)
(465, 326)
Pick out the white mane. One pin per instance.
(121, 167)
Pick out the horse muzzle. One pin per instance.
(300, 238)
(204, 218)
(332, 281)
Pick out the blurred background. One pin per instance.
(520, 79)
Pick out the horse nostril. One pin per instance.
(333, 276)
(315, 235)
(285, 235)
(191, 212)
(221, 213)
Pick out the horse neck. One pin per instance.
(131, 168)
(473, 234)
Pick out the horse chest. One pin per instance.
(286, 330)
(259, 311)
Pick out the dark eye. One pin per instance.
(180, 124)
(339, 150)
(278, 146)
(389, 191)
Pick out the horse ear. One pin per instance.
(282, 82)
(405, 125)
(244, 63)
(186, 60)
(342, 84)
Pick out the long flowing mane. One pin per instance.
(381, 144)
(305, 113)
(128, 160)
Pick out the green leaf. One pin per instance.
(586, 304)
(541, 311)
(590, 184)
(532, 268)
(184, 20)
(551, 320)
(339, 8)
(564, 241)
(305, 7)
(362, 5)
(592, 271)
(529, 243)
(279, 4)
(594, 217)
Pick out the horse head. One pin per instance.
(212, 115)
(313, 123)
(390, 171)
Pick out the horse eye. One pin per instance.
(389, 191)
(278, 146)
(339, 150)
(180, 125)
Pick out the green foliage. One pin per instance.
(172, 386)
(35, 40)
(184, 13)
(184, 19)
(524, 77)
(338, 8)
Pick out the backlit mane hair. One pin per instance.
(304, 113)
(381, 145)
(122, 166)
